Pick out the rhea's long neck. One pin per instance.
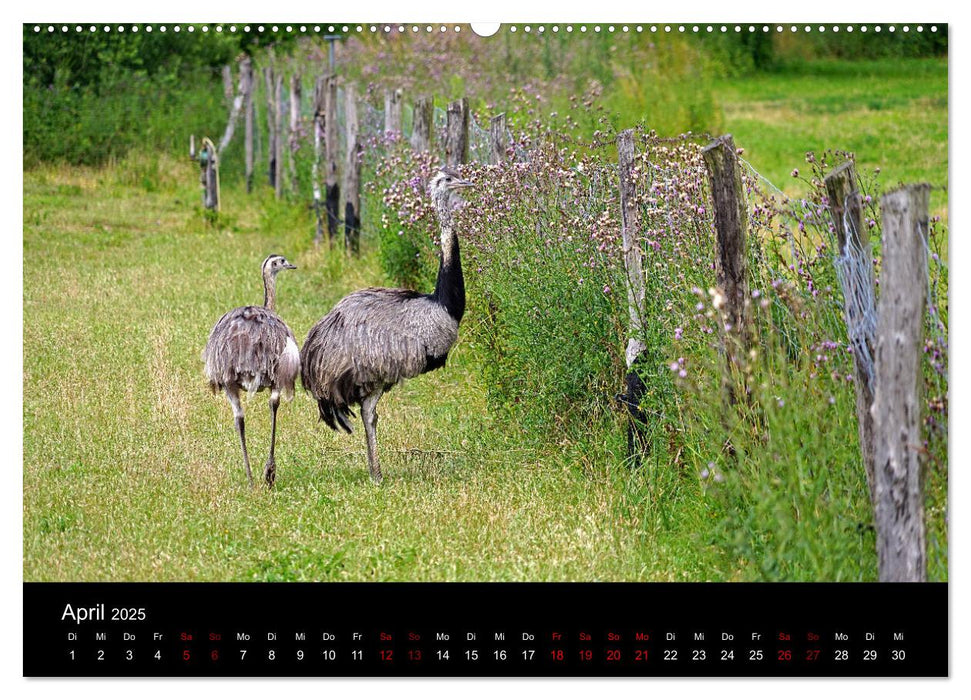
(450, 286)
(269, 290)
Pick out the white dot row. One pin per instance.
(402, 29)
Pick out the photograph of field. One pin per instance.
(672, 303)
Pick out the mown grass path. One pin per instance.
(891, 113)
(132, 469)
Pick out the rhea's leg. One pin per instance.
(369, 415)
(269, 471)
(232, 393)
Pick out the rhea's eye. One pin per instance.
(448, 179)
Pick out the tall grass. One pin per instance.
(782, 468)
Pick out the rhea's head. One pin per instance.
(274, 263)
(444, 188)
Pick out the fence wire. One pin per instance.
(850, 271)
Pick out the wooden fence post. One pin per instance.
(278, 138)
(268, 80)
(331, 151)
(319, 121)
(855, 271)
(295, 96)
(228, 83)
(630, 228)
(899, 510)
(352, 176)
(237, 102)
(731, 297)
(497, 139)
(247, 68)
(208, 171)
(421, 127)
(392, 112)
(270, 128)
(457, 133)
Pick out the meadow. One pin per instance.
(892, 116)
(508, 464)
(132, 469)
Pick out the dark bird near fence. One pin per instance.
(252, 349)
(374, 338)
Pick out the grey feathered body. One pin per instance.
(371, 340)
(252, 348)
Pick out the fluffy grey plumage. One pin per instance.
(251, 349)
(370, 341)
(374, 338)
(247, 349)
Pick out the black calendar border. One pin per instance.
(919, 612)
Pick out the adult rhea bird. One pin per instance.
(374, 338)
(252, 348)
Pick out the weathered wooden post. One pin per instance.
(630, 229)
(731, 296)
(497, 139)
(270, 127)
(899, 509)
(854, 268)
(294, 135)
(249, 110)
(331, 151)
(352, 175)
(208, 171)
(237, 102)
(392, 112)
(228, 83)
(421, 127)
(457, 133)
(319, 121)
(278, 138)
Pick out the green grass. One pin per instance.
(891, 113)
(132, 469)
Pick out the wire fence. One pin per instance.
(799, 221)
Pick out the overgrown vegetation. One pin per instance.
(511, 462)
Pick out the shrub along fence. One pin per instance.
(667, 268)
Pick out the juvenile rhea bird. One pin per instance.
(374, 338)
(252, 349)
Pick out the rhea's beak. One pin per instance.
(291, 266)
(458, 183)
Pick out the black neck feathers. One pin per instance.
(450, 286)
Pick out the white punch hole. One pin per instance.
(485, 28)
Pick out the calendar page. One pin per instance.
(520, 349)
